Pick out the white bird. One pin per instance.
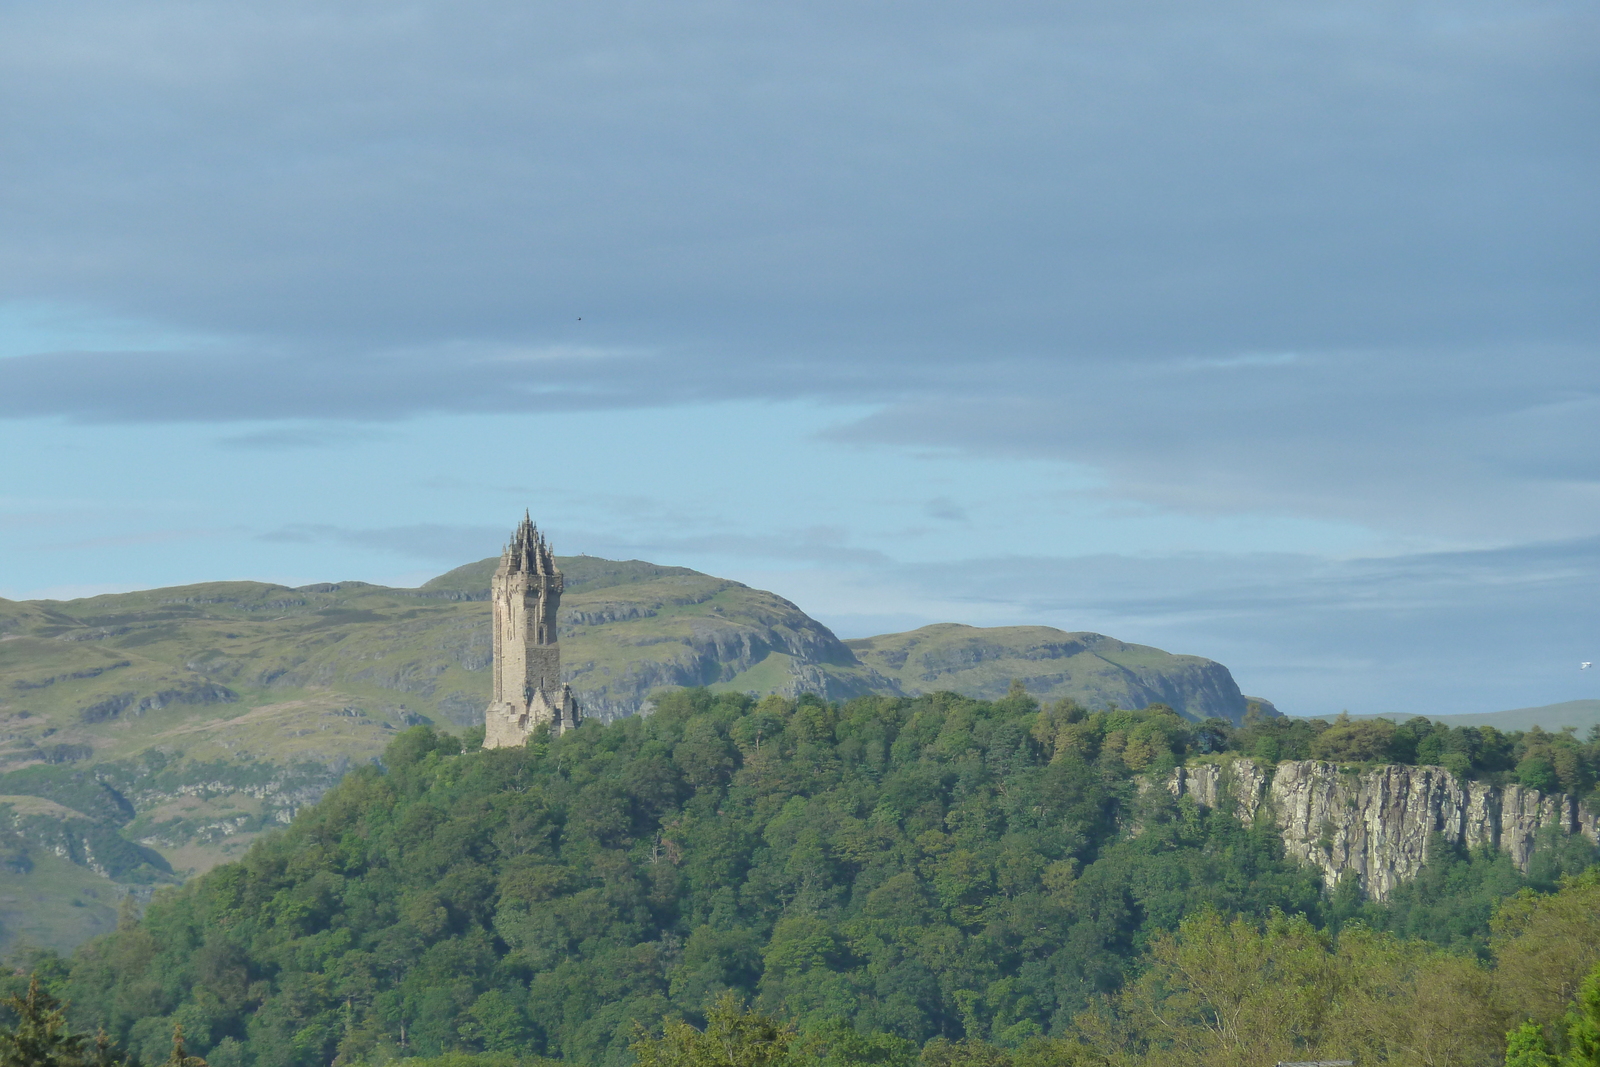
(1585, 665)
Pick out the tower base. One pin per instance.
(509, 725)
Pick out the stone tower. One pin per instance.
(526, 592)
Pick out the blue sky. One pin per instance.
(1265, 332)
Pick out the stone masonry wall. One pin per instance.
(1377, 822)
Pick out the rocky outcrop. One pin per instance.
(1377, 823)
(1239, 784)
(86, 842)
(716, 651)
(187, 691)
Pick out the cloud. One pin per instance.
(1240, 258)
(279, 438)
(821, 545)
(1424, 633)
(942, 507)
(827, 179)
(142, 537)
(36, 514)
(210, 387)
(435, 542)
(453, 545)
(1474, 447)
(67, 592)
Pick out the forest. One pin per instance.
(889, 880)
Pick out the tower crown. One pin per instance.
(528, 551)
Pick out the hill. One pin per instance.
(148, 736)
(1052, 664)
(1581, 715)
(921, 866)
(926, 870)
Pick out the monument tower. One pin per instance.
(526, 593)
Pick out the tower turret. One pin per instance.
(525, 595)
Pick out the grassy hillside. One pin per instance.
(1092, 669)
(231, 670)
(57, 904)
(98, 668)
(148, 736)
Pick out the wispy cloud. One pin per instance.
(942, 507)
(438, 542)
(1426, 633)
(1475, 447)
(67, 592)
(279, 438)
(822, 545)
(139, 537)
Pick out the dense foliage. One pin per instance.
(1452, 900)
(1222, 992)
(940, 874)
(38, 1035)
(930, 867)
(1557, 762)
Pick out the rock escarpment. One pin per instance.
(1377, 823)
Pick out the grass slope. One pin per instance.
(57, 905)
(1090, 668)
(155, 734)
(244, 669)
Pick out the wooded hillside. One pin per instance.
(929, 869)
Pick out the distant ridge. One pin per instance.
(1581, 714)
(1091, 668)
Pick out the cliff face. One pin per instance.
(1377, 823)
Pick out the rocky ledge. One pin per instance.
(1378, 822)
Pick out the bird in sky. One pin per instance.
(1585, 665)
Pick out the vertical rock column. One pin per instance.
(1377, 823)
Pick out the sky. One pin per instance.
(1259, 331)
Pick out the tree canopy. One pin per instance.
(944, 878)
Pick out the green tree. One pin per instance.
(1583, 1029)
(734, 1037)
(1348, 741)
(932, 867)
(1544, 945)
(1526, 1047)
(40, 1037)
(180, 1055)
(1538, 772)
(838, 1044)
